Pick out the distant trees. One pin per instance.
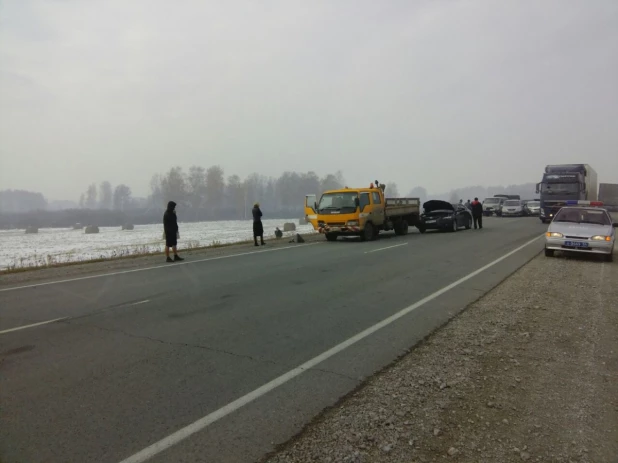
(391, 190)
(122, 197)
(91, 197)
(21, 201)
(105, 195)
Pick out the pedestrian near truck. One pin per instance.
(258, 228)
(477, 213)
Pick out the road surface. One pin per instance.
(220, 360)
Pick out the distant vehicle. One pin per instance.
(581, 226)
(507, 196)
(533, 208)
(442, 215)
(513, 207)
(362, 212)
(493, 206)
(608, 194)
(564, 182)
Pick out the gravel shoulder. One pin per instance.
(527, 373)
(133, 262)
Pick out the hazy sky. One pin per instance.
(440, 94)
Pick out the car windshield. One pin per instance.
(512, 203)
(343, 202)
(492, 200)
(591, 216)
(534, 204)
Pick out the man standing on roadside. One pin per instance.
(258, 228)
(477, 213)
(170, 228)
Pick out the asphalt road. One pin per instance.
(143, 355)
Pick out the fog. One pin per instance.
(439, 94)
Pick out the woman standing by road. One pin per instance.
(258, 228)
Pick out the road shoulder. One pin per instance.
(527, 373)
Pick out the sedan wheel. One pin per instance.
(468, 223)
(455, 228)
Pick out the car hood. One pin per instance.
(582, 229)
(436, 205)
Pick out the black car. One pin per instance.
(442, 215)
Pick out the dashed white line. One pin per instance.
(33, 325)
(145, 269)
(388, 247)
(211, 418)
(141, 302)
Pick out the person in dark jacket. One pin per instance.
(477, 213)
(258, 228)
(170, 227)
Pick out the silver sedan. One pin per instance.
(581, 229)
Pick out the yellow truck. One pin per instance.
(363, 212)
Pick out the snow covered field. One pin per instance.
(55, 245)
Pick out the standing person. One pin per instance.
(258, 228)
(170, 227)
(477, 213)
(469, 205)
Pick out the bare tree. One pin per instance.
(174, 186)
(91, 196)
(105, 195)
(122, 197)
(215, 188)
(391, 190)
(196, 181)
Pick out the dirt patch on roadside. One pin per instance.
(528, 373)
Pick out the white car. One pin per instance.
(583, 228)
(513, 208)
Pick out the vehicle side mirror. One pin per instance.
(537, 187)
(315, 206)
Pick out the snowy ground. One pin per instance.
(56, 245)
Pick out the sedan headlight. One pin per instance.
(601, 238)
(352, 223)
(554, 235)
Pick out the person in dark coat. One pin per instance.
(258, 228)
(477, 213)
(170, 227)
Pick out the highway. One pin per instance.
(221, 360)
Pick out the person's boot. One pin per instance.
(169, 259)
(255, 242)
(262, 242)
(177, 258)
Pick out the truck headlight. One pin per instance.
(352, 223)
(554, 235)
(601, 238)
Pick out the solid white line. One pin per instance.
(207, 420)
(33, 325)
(389, 247)
(176, 264)
(140, 302)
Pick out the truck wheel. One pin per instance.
(469, 224)
(404, 227)
(331, 237)
(549, 252)
(368, 234)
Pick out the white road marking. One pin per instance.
(175, 264)
(33, 325)
(211, 418)
(388, 247)
(140, 302)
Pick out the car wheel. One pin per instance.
(610, 257)
(331, 237)
(549, 252)
(468, 223)
(543, 221)
(422, 229)
(454, 226)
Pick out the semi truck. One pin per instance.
(565, 182)
(362, 212)
(608, 194)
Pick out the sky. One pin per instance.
(438, 93)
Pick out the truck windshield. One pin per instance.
(559, 188)
(343, 202)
